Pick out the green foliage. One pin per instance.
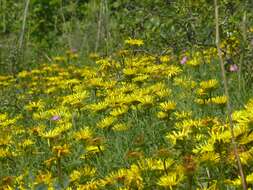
(130, 96)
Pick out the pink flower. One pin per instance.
(55, 118)
(73, 50)
(183, 60)
(233, 68)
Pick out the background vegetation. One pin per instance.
(124, 94)
(51, 26)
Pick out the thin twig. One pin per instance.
(229, 109)
(21, 39)
(99, 26)
(244, 39)
(65, 26)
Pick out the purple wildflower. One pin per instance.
(233, 68)
(55, 118)
(73, 50)
(183, 60)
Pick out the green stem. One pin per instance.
(59, 171)
(229, 109)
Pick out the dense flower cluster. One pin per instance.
(126, 122)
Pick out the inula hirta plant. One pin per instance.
(125, 122)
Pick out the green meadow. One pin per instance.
(126, 95)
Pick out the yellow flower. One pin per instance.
(183, 115)
(75, 99)
(209, 84)
(154, 164)
(163, 93)
(122, 52)
(201, 92)
(134, 42)
(172, 71)
(120, 127)
(90, 150)
(195, 61)
(164, 58)
(220, 100)
(49, 161)
(5, 140)
(168, 106)
(45, 178)
(88, 171)
(75, 175)
(94, 56)
(146, 100)
(83, 134)
(119, 111)
(106, 122)
(56, 132)
(170, 180)
(59, 59)
(206, 147)
(199, 101)
(35, 105)
(162, 115)
(140, 78)
(130, 71)
(100, 106)
(61, 150)
(180, 135)
(91, 185)
(5, 153)
(26, 143)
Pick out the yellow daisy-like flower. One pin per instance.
(93, 149)
(26, 143)
(162, 115)
(61, 150)
(59, 59)
(183, 115)
(44, 178)
(83, 134)
(106, 122)
(134, 42)
(100, 106)
(130, 71)
(170, 180)
(220, 100)
(120, 127)
(5, 153)
(88, 170)
(93, 55)
(163, 93)
(164, 58)
(199, 101)
(119, 111)
(168, 106)
(209, 84)
(140, 78)
(91, 185)
(75, 175)
(146, 100)
(56, 132)
(201, 92)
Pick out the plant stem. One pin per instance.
(99, 26)
(164, 166)
(229, 109)
(21, 39)
(59, 171)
